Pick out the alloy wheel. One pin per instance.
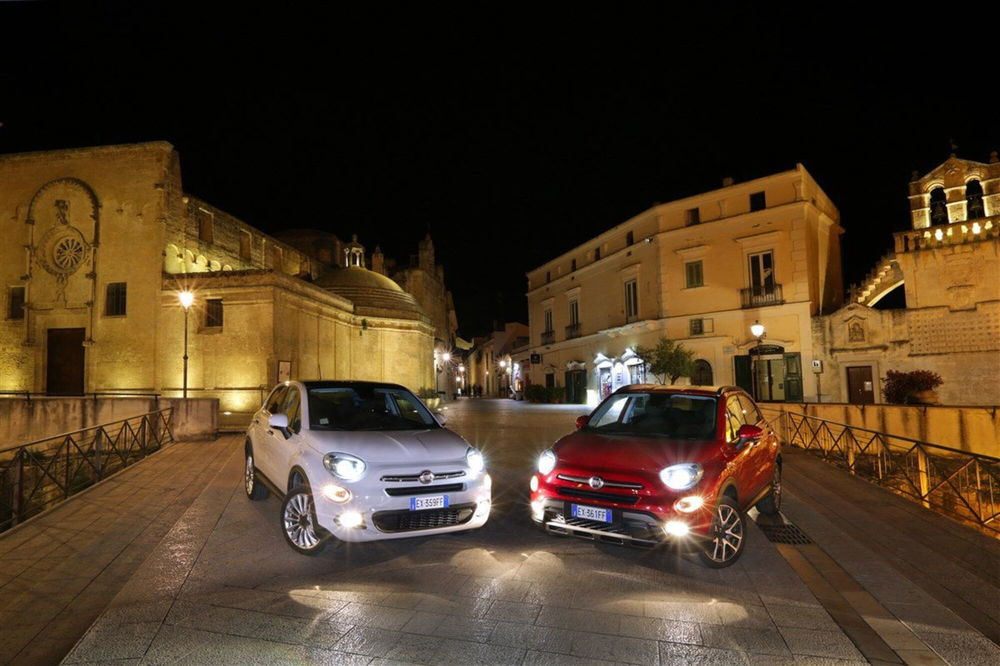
(298, 519)
(248, 479)
(727, 534)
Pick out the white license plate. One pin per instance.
(433, 502)
(591, 513)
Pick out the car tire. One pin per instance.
(255, 490)
(299, 525)
(771, 504)
(727, 536)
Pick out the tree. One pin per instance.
(667, 359)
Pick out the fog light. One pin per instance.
(335, 493)
(689, 503)
(533, 484)
(350, 519)
(677, 528)
(482, 508)
(487, 481)
(538, 510)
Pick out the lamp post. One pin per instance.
(187, 299)
(757, 330)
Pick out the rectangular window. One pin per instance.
(758, 201)
(205, 226)
(572, 265)
(629, 238)
(245, 239)
(115, 299)
(548, 320)
(692, 216)
(15, 303)
(631, 301)
(694, 274)
(597, 253)
(548, 276)
(213, 312)
(697, 326)
(762, 273)
(574, 312)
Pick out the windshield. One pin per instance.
(674, 416)
(366, 408)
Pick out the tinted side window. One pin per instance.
(734, 418)
(750, 409)
(276, 400)
(292, 408)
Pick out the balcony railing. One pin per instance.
(756, 297)
(548, 337)
(942, 235)
(38, 475)
(964, 486)
(573, 331)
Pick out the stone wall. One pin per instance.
(972, 429)
(23, 420)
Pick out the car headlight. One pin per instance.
(475, 460)
(546, 462)
(681, 477)
(344, 466)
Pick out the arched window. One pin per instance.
(939, 207)
(702, 374)
(974, 200)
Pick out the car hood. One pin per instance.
(393, 446)
(629, 454)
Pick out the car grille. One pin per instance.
(410, 521)
(424, 490)
(603, 497)
(607, 484)
(413, 478)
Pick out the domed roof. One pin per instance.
(372, 293)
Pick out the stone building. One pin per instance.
(948, 265)
(493, 361)
(97, 244)
(700, 270)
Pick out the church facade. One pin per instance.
(99, 242)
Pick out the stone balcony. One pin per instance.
(955, 233)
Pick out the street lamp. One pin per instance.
(757, 330)
(187, 300)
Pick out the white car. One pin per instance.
(362, 461)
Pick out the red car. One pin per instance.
(662, 464)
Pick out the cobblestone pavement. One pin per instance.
(223, 587)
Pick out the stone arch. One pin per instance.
(701, 374)
(974, 200)
(95, 204)
(173, 260)
(189, 264)
(938, 206)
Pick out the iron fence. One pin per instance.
(38, 475)
(962, 485)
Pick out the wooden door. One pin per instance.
(860, 388)
(64, 370)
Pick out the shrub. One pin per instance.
(900, 387)
(555, 393)
(427, 392)
(536, 393)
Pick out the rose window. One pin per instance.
(68, 253)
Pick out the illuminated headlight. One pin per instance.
(344, 466)
(350, 519)
(475, 460)
(538, 509)
(689, 503)
(546, 462)
(335, 493)
(533, 483)
(681, 477)
(482, 508)
(676, 528)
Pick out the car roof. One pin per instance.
(685, 389)
(330, 383)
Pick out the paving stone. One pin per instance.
(471, 654)
(545, 639)
(369, 641)
(673, 631)
(819, 643)
(466, 628)
(616, 648)
(534, 658)
(695, 655)
(513, 611)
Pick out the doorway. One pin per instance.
(576, 386)
(65, 361)
(860, 387)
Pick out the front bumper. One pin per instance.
(385, 516)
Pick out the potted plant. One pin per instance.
(911, 388)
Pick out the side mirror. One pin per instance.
(278, 421)
(748, 433)
(581, 421)
(441, 417)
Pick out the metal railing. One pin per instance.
(962, 485)
(38, 475)
(573, 331)
(28, 395)
(548, 337)
(755, 297)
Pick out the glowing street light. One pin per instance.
(186, 299)
(757, 330)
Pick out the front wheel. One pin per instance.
(255, 489)
(771, 504)
(298, 521)
(727, 537)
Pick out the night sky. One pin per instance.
(510, 134)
